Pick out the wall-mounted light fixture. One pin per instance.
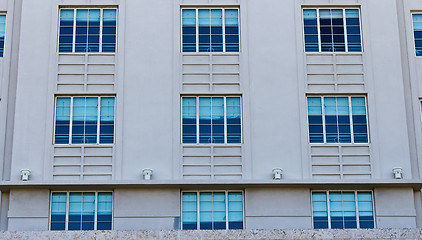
(277, 173)
(147, 172)
(398, 172)
(25, 174)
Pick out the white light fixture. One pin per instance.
(398, 172)
(277, 173)
(147, 172)
(25, 174)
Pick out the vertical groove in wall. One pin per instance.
(408, 93)
(13, 76)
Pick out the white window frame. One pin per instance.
(71, 120)
(197, 119)
(67, 208)
(100, 50)
(327, 192)
(197, 29)
(198, 213)
(350, 115)
(344, 25)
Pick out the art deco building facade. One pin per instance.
(210, 114)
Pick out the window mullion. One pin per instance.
(225, 119)
(67, 211)
(328, 209)
(197, 120)
(346, 44)
(223, 20)
(352, 140)
(71, 121)
(324, 132)
(319, 31)
(197, 29)
(95, 210)
(357, 210)
(74, 31)
(98, 119)
(227, 209)
(198, 209)
(100, 47)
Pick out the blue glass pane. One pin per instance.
(103, 225)
(309, 13)
(57, 226)
(189, 225)
(320, 223)
(235, 225)
(364, 196)
(232, 48)
(232, 30)
(365, 224)
(219, 225)
(316, 138)
(231, 13)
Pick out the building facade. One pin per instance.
(210, 114)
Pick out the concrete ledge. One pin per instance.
(389, 233)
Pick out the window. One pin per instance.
(84, 120)
(81, 211)
(211, 120)
(210, 30)
(87, 30)
(332, 30)
(345, 209)
(2, 33)
(212, 210)
(417, 31)
(337, 120)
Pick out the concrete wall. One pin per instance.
(140, 209)
(395, 233)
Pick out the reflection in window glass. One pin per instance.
(217, 210)
(87, 30)
(332, 30)
(344, 209)
(85, 211)
(211, 120)
(210, 30)
(337, 120)
(84, 120)
(417, 32)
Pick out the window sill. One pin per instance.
(84, 145)
(210, 53)
(339, 144)
(211, 144)
(87, 53)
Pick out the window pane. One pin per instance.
(86, 36)
(331, 36)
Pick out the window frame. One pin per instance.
(226, 195)
(71, 120)
(67, 208)
(413, 31)
(324, 134)
(344, 8)
(327, 192)
(197, 118)
(100, 44)
(197, 29)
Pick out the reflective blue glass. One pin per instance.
(58, 211)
